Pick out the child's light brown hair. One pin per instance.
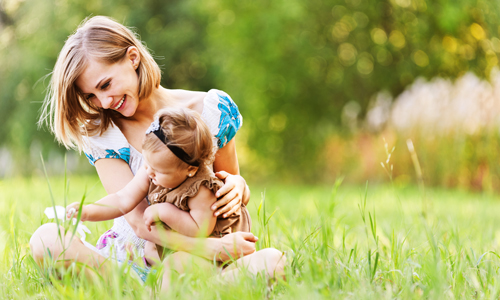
(65, 110)
(185, 129)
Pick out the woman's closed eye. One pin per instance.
(106, 85)
(89, 96)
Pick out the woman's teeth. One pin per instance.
(117, 107)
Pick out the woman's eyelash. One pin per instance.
(105, 85)
(89, 96)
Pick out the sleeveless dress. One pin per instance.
(238, 221)
(223, 118)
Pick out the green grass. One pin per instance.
(352, 242)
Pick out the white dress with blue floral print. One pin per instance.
(221, 115)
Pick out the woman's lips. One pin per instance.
(120, 104)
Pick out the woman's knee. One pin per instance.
(46, 241)
(183, 262)
(274, 259)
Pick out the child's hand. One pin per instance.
(151, 216)
(72, 211)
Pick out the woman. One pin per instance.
(105, 89)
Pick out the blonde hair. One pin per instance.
(184, 129)
(67, 113)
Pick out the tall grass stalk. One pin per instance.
(331, 251)
(420, 176)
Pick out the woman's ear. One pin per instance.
(192, 170)
(134, 56)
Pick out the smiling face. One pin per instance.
(163, 168)
(112, 86)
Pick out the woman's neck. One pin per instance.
(148, 107)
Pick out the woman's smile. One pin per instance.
(119, 91)
(119, 105)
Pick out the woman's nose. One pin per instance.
(106, 101)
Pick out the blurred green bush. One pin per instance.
(291, 66)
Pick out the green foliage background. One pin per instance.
(291, 66)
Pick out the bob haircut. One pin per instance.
(67, 113)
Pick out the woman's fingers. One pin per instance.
(226, 188)
(222, 201)
(222, 175)
(233, 210)
(237, 244)
(248, 236)
(245, 244)
(230, 208)
(229, 201)
(231, 193)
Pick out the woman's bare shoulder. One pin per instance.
(189, 99)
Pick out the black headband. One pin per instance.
(181, 154)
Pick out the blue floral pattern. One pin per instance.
(123, 153)
(230, 120)
(90, 158)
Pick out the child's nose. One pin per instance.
(149, 171)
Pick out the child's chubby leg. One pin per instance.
(183, 262)
(151, 254)
(269, 261)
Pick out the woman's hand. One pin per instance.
(234, 245)
(233, 191)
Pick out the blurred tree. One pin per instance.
(291, 66)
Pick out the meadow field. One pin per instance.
(341, 241)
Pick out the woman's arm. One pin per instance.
(226, 159)
(199, 220)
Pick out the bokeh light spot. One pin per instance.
(477, 31)
(450, 44)
(397, 39)
(420, 58)
(361, 19)
(403, 3)
(378, 36)
(347, 54)
(365, 64)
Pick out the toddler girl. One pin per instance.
(177, 181)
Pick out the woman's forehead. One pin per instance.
(93, 74)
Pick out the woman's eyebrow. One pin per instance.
(99, 83)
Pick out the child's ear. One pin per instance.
(192, 171)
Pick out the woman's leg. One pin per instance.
(46, 243)
(182, 262)
(151, 253)
(269, 261)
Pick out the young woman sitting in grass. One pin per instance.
(181, 187)
(104, 93)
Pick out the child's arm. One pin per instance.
(114, 205)
(199, 220)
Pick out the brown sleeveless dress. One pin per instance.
(238, 221)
